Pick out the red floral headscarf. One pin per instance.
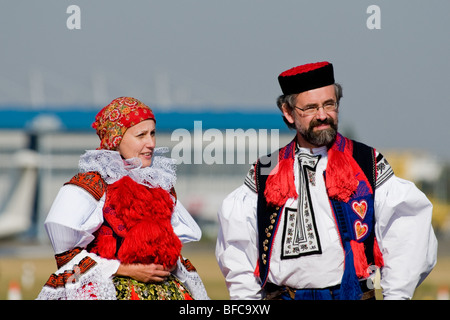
(114, 119)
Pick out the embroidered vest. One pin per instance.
(352, 204)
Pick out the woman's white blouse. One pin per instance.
(75, 215)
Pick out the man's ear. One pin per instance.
(287, 113)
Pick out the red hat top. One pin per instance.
(306, 77)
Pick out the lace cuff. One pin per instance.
(75, 281)
(191, 280)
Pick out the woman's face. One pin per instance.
(139, 141)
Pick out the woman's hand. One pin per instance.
(144, 272)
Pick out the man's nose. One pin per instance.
(321, 114)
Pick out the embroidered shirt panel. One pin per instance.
(300, 236)
(328, 263)
(66, 256)
(384, 170)
(71, 275)
(92, 182)
(250, 179)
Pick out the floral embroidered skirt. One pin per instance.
(169, 289)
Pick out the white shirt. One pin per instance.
(403, 230)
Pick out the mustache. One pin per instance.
(318, 122)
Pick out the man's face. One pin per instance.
(319, 129)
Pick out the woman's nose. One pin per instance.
(150, 142)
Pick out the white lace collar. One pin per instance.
(112, 167)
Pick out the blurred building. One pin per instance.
(214, 152)
(431, 175)
(39, 152)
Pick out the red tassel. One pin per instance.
(256, 272)
(280, 185)
(359, 259)
(105, 243)
(340, 176)
(150, 242)
(377, 255)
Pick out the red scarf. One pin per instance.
(342, 173)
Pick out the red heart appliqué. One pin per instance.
(360, 208)
(361, 229)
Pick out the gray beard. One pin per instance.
(323, 137)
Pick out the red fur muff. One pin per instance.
(142, 217)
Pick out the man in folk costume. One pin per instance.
(315, 219)
(117, 227)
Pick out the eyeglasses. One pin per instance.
(312, 110)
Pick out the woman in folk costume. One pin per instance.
(116, 227)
